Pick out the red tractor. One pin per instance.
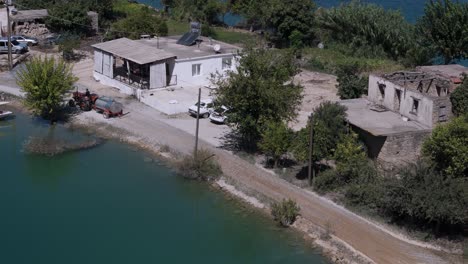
(107, 106)
(85, 101)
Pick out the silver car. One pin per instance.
(25, 39)
(16, 47)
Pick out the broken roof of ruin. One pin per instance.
(423, 82)
(29, 15)
(134, 51)
(361, 113)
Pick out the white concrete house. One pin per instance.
(147, 65)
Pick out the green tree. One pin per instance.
(444, 27)
(136, 24)
(350, 84)
(329, 128)
(276, 140)
(205, 11)
(46, 82)
(68, 17)
(447, 148)
(289, 18)
(459, 98)
(260, 91)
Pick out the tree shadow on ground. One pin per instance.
(233, 141)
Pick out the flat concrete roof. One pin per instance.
(378, 123)
(28, 15)
(205, 48)
(452, 70)
(134, 51)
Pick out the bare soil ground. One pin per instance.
(318, 87)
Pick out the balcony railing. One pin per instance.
(134, 80)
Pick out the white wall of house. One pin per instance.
(189, 76)
(411, 104)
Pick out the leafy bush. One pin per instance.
(202, 167)
(139, 23)
(425, 195)
(285, 212)
(447, 148)
(327, 181)
(68, 17)
(459, 98)
(276, 140)
(329, 128)
(350, 84)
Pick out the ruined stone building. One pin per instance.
(400, 111)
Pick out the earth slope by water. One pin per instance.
(110, 204)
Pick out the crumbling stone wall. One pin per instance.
(401, 149)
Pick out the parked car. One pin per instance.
(16, 47)
(206, 107)
(219, 115)
(25, 39)
(53, 39)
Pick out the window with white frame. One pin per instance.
(196, 69)
(227, 63)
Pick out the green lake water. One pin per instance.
(112, 204)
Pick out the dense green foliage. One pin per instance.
(276, 140)
(290, 20)
(285, 212)
(205, 11)
(46, 81)
(285, 22)
(444, 28)
(329, 128)
(447, 148)
(350, 84)
(201, 167)
(459, 99)
(424, 195)
(368, 27)
(260, 91)
(102, 7)
(68, 17)
(135, 24)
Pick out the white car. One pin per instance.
(26, 40)
(206, 107)
(219, 115)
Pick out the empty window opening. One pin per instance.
(196, 69)
(382, 91)
(415, 107)
(397, 99)
(442, 113)
(227, 63)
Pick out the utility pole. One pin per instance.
(10, 62)
(195, 153)
(311, 171)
